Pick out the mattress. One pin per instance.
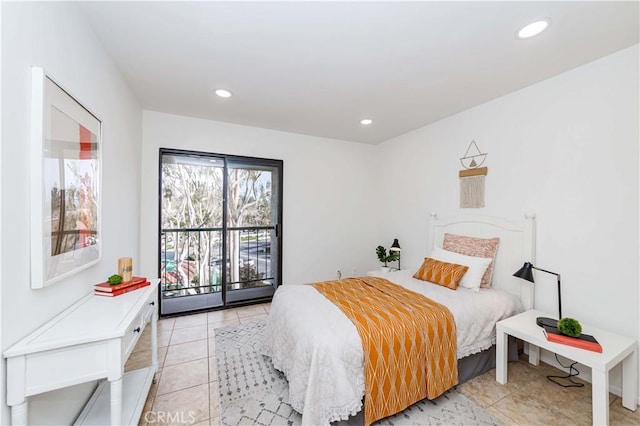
(318, 348)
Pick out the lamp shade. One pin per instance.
(395, 246)
(526, 272)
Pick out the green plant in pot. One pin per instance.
(114, 279)
(570, 327)
(385, 258)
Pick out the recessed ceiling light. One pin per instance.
(366, 121)
(534, 28)
(223, 93)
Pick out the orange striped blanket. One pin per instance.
(409, 342)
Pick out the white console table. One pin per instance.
(90, 340)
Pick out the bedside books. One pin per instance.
(122, 290)
(110, 288)
(106, 289)
(584, 341)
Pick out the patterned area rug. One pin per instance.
(252, 392)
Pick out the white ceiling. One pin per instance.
(317, 68)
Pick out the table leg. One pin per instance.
(600, 396)
(20, 413)
(630, 381)
(154, 342)
(116, 401)
(501, 356)
(534, 354)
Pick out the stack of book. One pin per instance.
(112, 290)
(584, 341)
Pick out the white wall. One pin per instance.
(56, 37)
(566, 149)
(328, 189)
(2, 367)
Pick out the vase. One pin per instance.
(384, 270)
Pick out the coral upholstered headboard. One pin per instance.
(517, 245)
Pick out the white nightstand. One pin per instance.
(378, 273)
(615, 349)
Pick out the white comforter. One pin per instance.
(318, 348)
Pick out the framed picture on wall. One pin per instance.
(65, 183)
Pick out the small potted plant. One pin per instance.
(385, 258)
(570, 327)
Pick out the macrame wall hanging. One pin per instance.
(472, 177)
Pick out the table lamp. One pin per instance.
(396, 247)
(526, 273)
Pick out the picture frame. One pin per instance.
(65, 186)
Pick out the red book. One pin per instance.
(584, 341)
(113, 287)
(122, 290)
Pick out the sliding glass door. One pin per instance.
(220, 222)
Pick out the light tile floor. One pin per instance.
(186, 391)
(529, 398)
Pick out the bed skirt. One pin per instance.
(481, 362)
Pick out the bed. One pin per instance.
(320, 352)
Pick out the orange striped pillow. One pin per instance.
(441, 273)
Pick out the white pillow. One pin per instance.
(477, 266)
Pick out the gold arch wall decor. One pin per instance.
(472, 177)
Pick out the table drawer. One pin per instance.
(131, 337)
(150, 308)
(136, 328)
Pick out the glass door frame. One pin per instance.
(258, 293)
